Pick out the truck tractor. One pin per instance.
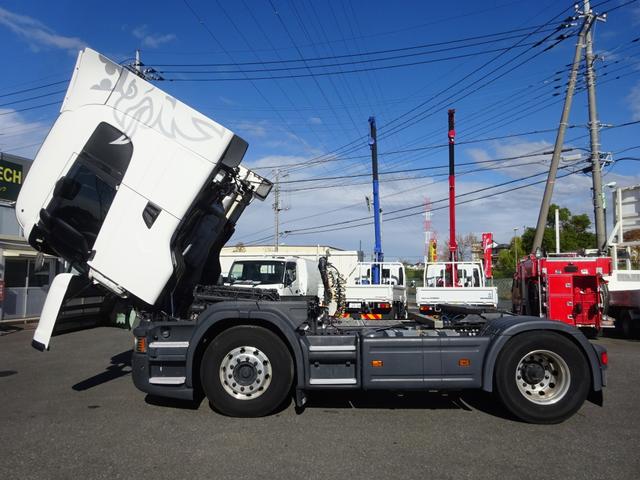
(138, 192)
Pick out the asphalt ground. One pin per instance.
(73, 412)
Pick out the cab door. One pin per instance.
(74, 303)
(291, 281)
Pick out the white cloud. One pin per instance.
(404, 238)
(633, 100)
(36, 34)
(226, 101)
(315, 120)
(254, 129)
(20, 136)
(635, 15)
(152, 40)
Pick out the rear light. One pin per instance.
(141, 345)
(604, 358)
(385, 305)
(424, 308)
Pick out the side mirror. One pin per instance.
(39, 263)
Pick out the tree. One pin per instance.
(465, 247)
(574, 232)
(505, 265)
(574, 236)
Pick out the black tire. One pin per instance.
(592, 333)
(626, 325)
(559, 400)
(262, 400)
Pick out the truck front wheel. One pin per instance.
(246, 371)
(542, 377)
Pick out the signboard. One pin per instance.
(487, 247)
(11, 178)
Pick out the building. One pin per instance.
(344, 260)
(23, 283)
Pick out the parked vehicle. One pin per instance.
(139, 192)
(289, 276)
(568, 288)
(368, 301)
(441, 292)
(623, 284)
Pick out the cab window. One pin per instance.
(290, 271)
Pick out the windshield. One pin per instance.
(261, 271)
(440, 276)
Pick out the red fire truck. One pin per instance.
(567, 288)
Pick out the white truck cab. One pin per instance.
(289, 276)
(136, 190)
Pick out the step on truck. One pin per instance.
(366, 300)
(138, 192)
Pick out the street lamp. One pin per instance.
(515, 244)
(612, 186)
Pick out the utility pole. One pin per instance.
(453, 245)
(276, 209)
(557, 149)
(147, 73)
(515, 244)
(557, 230)
(138, 64)
(377, 249)
(594, 128)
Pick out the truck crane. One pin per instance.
(138, 192)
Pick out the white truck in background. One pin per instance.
(468, 290)
(623, 285)
(289, 276)
(365, 300)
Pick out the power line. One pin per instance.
(29, 108)
(352, 55)
(346, 222)
(420, 169)
(333, 228)
(323, 73)
(32, 98)
(410, 150)
(17, 92)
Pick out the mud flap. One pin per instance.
(73, 303)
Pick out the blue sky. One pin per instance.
(297, 120)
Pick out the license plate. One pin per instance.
(353, 305)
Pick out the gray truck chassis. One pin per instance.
(248, 357)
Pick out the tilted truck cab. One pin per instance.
(136, 190)
(138, 193)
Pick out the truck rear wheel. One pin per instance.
(246, 371)
(542, 377)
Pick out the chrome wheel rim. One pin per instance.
(543, 377)
(245, 373)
